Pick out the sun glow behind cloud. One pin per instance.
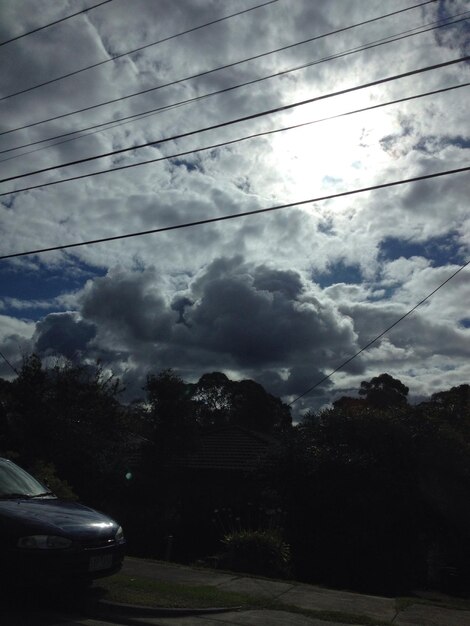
(333, 154)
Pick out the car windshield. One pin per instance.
(15, 482)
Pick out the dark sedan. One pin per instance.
(47, 538)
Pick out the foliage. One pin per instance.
(69, 419)
(261, 552)
(373, 483)
(220, 401)
(170, 412)
(384, 391)
(452, 408)
(47, 474)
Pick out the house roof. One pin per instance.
(230, 448)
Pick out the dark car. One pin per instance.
(47, 538)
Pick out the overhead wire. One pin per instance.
(8, 363)
(144, 114)
(212, 70)
(238, 120)
(239, 139)
(384, 332)
(123, 54)
(223, 218)
(62, 19)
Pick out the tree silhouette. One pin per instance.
(384, 391)
(172, 412)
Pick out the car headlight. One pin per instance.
(44, 542)
(119, 536)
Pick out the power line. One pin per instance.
(144, 114)
(223, 218)
(368, 345)
(123, 54)
(63, 19)
(8, 363)
(240, 119)
(238, 140)
(211, 71)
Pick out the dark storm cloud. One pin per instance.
(62, 334)
(259, 316)
(264, 322)
(296, 381)
(285, 282)
(128, 305)
(179, 304)
(303, 376)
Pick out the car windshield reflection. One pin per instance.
(16, 483)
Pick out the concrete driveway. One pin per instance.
(299, 595)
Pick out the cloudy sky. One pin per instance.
(282, 297)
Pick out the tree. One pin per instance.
(456, 399)
(350, 487)
(171, 411)
(374, 483)
(68, 416)
(29, 417)
(245, 403)
(255, 408)
(453, 408)
(351, 405)
(384, 391)
(212, 397)
(89, 438)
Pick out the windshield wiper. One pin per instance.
(25, 496)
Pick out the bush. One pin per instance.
(46, 473)
(261, 552)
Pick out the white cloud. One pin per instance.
(294, 339)
(11, 326)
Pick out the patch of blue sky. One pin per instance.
(8, 201)
(339, 272)
(331, 181)
(326, 226)
(41, 285)
(438, 250)
(187, 164)
(432, 143)
(455, 36)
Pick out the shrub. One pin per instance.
(46, 473)
(261, 552)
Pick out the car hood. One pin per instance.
(56, 517)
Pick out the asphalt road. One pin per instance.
(36, 607)
(244, 618)
(45, 618)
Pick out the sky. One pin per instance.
(281, 297)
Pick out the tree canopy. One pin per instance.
(384, 391)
